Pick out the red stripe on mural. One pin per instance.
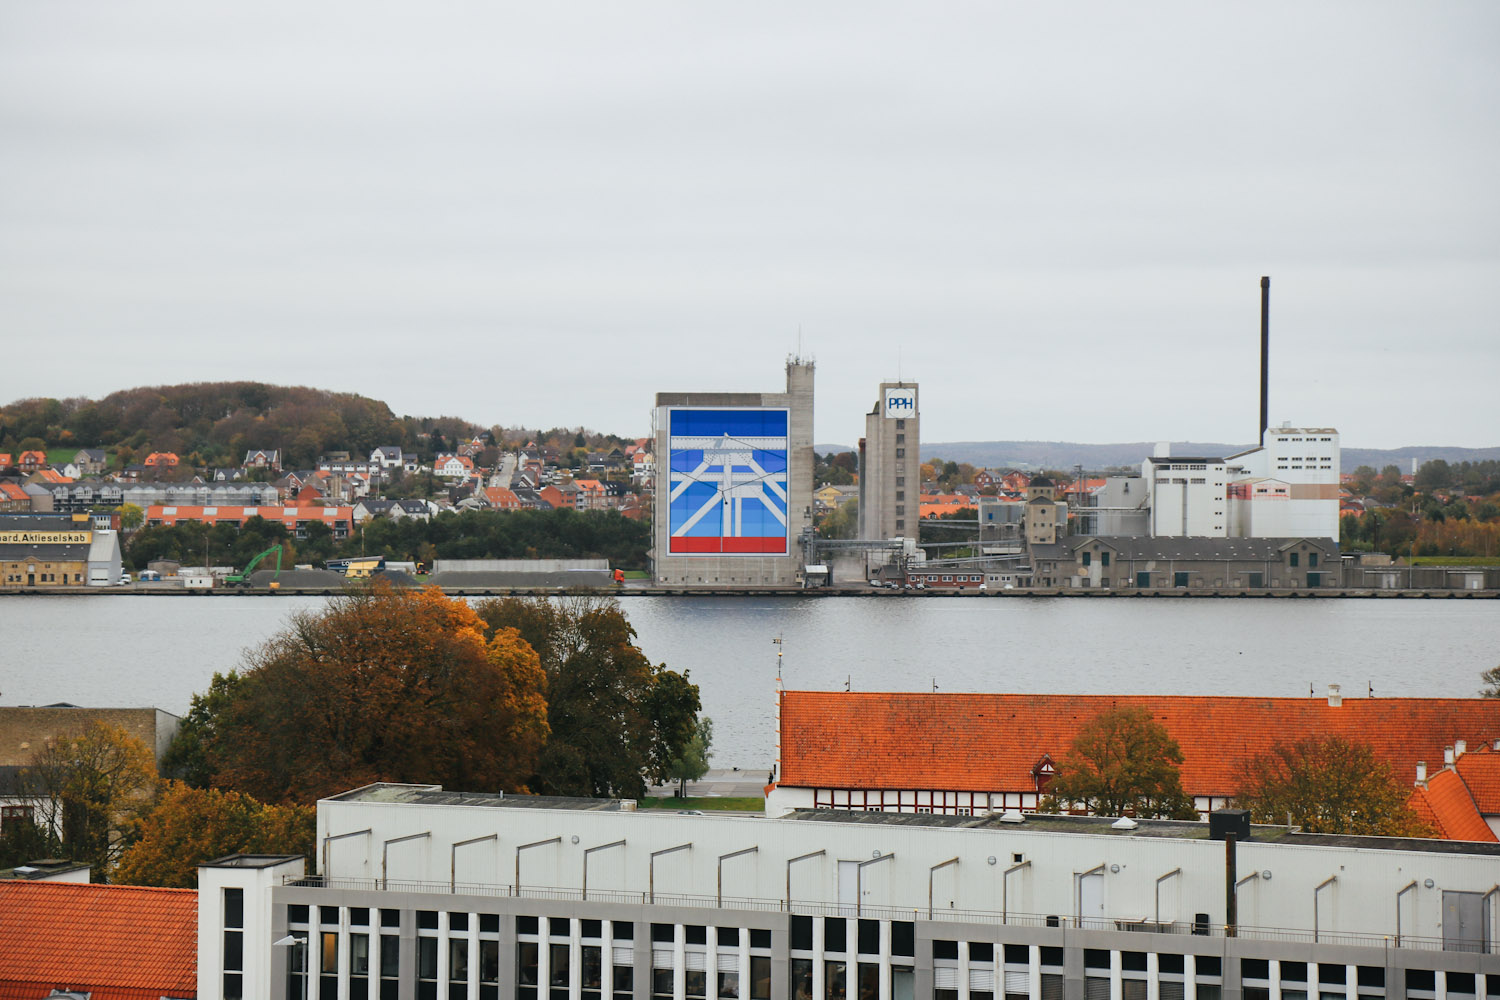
(776, 545)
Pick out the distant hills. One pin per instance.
(1066, 454)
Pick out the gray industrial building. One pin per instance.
(890, 465)
(733, 485)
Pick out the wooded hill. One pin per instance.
(211, 424)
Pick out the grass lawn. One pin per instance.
(1454, 560)
(60, 456)
(748, 804)
(637, 574)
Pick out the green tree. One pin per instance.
(616, 720)
(86, 791)
(131, 517)
(187, 757)
(692, 763)
(841, 522)
(1327, 784)
(190, 826)
(1491, 678)
(1122, 762)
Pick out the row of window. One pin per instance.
(40, 578)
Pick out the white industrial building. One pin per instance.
(1288, 487)
(1188, 497)
(422, 893)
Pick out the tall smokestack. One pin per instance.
(1265, 357)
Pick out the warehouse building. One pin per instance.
(57, 550)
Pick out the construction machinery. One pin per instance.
(242, 578)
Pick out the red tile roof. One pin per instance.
(118, 942)
(1480, 770)
(1447, 805)
(990, 742)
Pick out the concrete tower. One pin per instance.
(733, 485)
(890, 465)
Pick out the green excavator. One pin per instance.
(242, 578)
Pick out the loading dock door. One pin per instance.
(1465, 923)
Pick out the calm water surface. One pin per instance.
(121, 650)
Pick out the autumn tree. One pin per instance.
(1122, 762)
(381, 685)
(85, 792)
(1328, 784)
(190, 826)
(187, 757)
(616, 720)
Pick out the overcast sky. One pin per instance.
(1053, 217)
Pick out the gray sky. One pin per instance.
(1054, 217)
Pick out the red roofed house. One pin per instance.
(591, 494)
(453, 466)
(500, 498)
(970, 754)
(111, 942)
(161, 460)
(30, 461)
(1462, 801)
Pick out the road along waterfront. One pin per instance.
(136, 650)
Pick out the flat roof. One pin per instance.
(434, 795)
(1144, 828)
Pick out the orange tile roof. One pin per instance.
(12, 492)
(119, 942)
(1480, 770)
(990, 742)
(1447, 805)
(288, 514)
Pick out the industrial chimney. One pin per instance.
(1265, 356)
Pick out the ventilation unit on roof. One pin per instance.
(1012, 816)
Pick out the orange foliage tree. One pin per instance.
(382, 685)
(190, 826)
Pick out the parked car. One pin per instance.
(124, 579)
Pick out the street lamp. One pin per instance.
(291, 941)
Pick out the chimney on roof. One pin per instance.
(1459, 746)
(1447, 756)
(1421, 774)
(1335, 697)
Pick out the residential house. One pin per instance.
(591, 494)
(13, 497)
(420, 510)
(31, 461)
(530, 498)
(368, 508)
(89, 462)
(453, 466)
(500, 498)
(260, 458)
(643, 467)
(389, 457)
(1462, 801)
(992, 752)
(5, 460)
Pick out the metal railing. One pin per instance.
(827, 909)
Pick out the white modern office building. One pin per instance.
(422, 893)
(1289, 487)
